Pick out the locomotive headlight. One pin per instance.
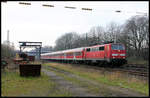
(122, 54)
(114, 54)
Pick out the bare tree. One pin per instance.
(95, 35)
(99, 33)
(66, 41)
(111, 31)
(134, 34)
(47, 48)
(7, 51)
(137, 30)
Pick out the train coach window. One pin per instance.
(101, 48)
(78, 53)
(88, 49)
(93, 49)
(69, 54)
(97, 49)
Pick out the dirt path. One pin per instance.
(81, 89)
(67, 86)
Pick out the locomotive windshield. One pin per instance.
(117, 47)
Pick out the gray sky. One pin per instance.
(37, 23)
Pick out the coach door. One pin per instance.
(106, 51)
(84, 54)
(74, 55)
(64, 56)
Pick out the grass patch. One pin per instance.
(14, 85)
(109, 79)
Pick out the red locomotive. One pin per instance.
(107, 53)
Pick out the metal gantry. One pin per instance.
(37, 45)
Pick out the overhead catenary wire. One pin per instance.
(145, 13)
(89, 9)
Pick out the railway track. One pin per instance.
(132, 69)
(136, 69)
(134, 72)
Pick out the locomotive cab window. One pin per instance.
(117, 47)
(101, 48)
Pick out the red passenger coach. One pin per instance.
(110, 53)
(67, 55)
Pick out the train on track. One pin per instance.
(111, 53)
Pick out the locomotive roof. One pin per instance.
(103, 45)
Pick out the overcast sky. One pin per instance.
(37, 23)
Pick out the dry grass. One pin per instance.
(14, 85)
(117, 78)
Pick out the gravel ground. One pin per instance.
(67, 86)
(77, 90)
